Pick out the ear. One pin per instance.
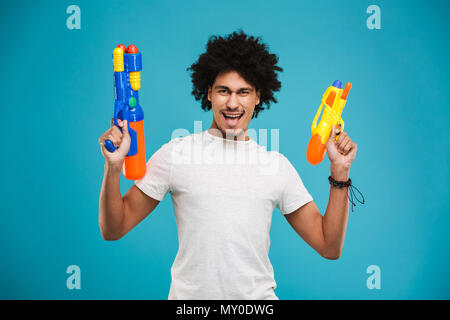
(209, 93)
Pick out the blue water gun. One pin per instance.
(127, 81)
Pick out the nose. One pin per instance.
(233, 101)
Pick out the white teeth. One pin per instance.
(232, 116)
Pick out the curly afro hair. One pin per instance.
(243, 54)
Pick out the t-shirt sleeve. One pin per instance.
(156, 181)
(294, 194)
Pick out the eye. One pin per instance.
(244, 92)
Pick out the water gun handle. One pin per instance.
(341, 122)
(110, 146)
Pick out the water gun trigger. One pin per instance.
(120, 113)
(341, 124)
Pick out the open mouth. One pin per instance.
(232, 119)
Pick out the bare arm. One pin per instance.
(326, 234)
(117, 215)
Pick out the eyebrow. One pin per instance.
(226, 88)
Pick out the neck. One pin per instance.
(231, 134)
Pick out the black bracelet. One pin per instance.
(340, 184)
(345, 184)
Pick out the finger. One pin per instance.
(103, 148)
(114, 138)
(104, 136)
(341, 139)
(116, 131)
(339, 127)
(346, 141)
(126, 140)
(102, 139)
(112, 122)
(116, 135)
(125, 127)
(347, 147)
(350, 149)
(338, 145)
(332, 134)
(354, 148)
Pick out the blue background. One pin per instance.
(57, 98)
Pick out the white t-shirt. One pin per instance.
(224, 193)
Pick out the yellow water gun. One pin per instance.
(333, 100)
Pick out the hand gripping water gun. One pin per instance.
(334, 100)
(127, 81)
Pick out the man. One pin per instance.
(224, 208)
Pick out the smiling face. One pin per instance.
(233, 101)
